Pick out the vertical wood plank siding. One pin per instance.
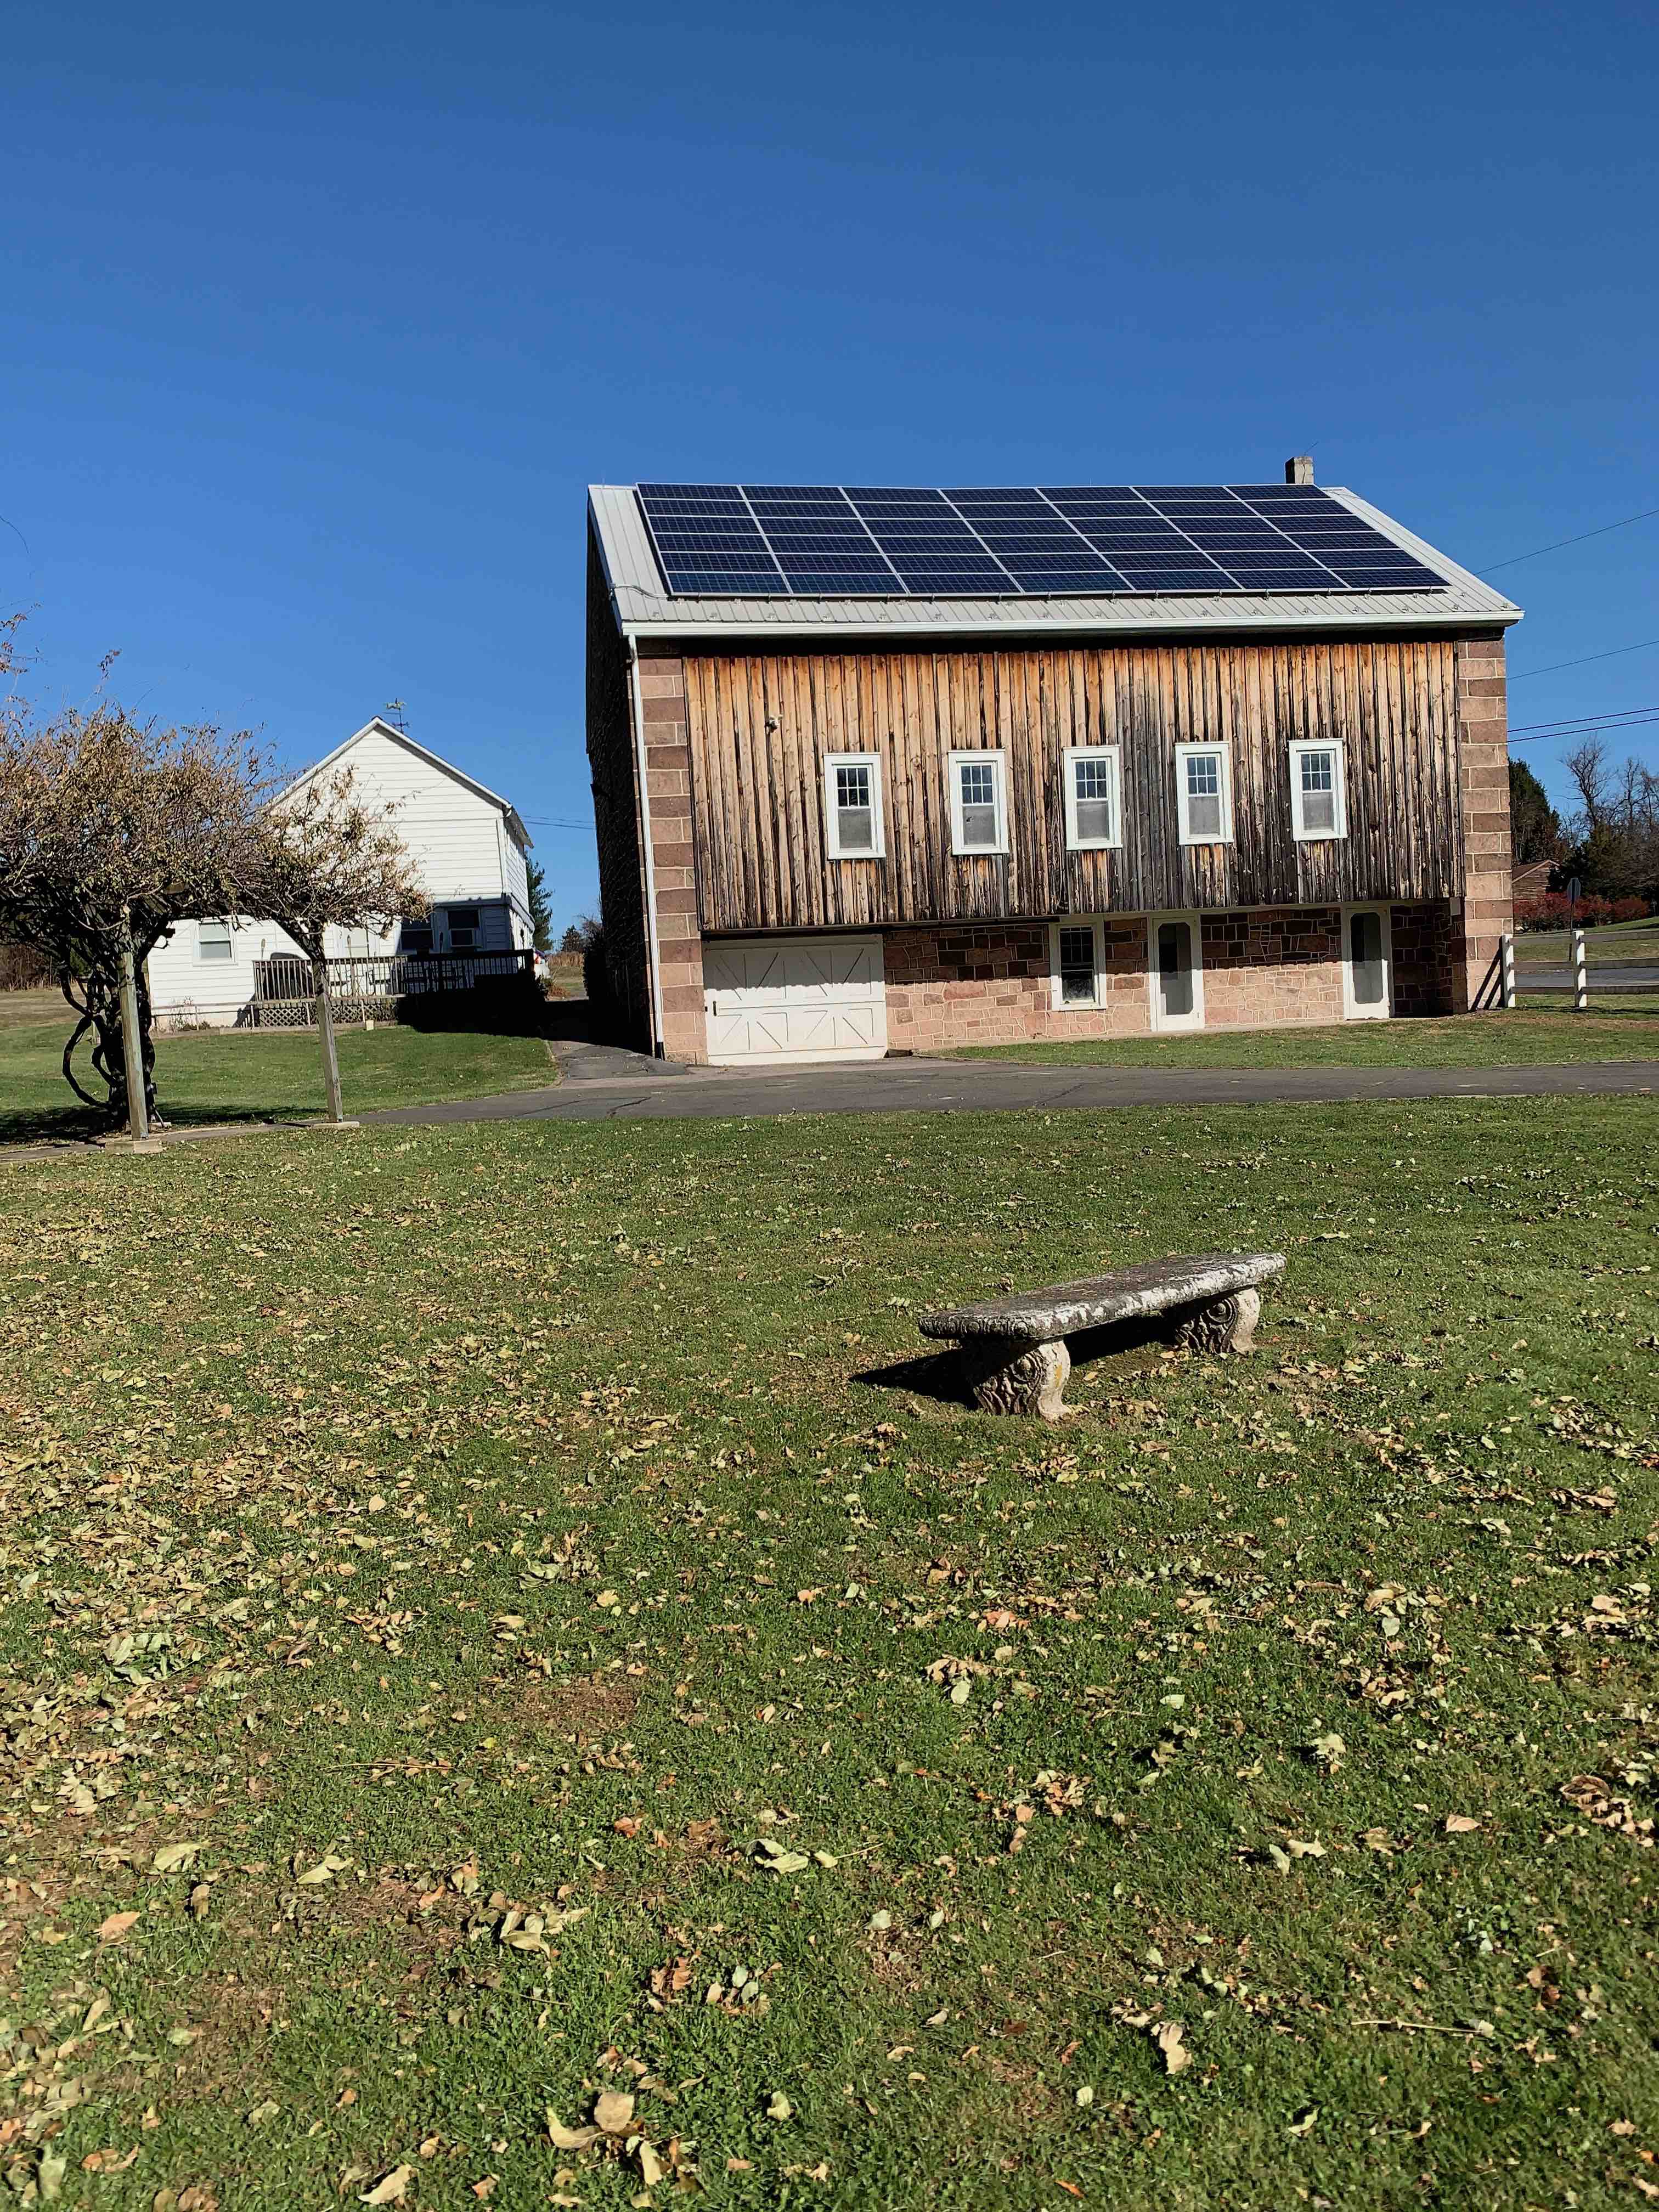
(760, 726)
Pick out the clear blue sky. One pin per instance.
(319, 320)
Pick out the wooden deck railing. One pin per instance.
(285, 985)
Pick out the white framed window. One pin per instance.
(979, 803)
(1175, 970)
(1077, 962)
(1319, 799)
(1094, 803)
(1367, 964)
(213, 941)
(853, 825)
(1204, 794)
(463, 928)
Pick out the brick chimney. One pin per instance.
(1299, 469)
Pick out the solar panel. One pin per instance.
(830, 541)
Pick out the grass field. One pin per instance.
(1534, 1034)
(238, 1076)
(1632, 942)
(495, 1622)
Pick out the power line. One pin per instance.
(1491, 567)
(1598, 721)
(1546, 736)
(1642, 646)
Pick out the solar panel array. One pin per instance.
(834, 541)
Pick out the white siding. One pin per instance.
(450, 832)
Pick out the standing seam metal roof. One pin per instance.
(645, 607)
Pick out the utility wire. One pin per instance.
(1595, 721)
(1641, 646)
(1492, 567)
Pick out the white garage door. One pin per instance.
(794, 998)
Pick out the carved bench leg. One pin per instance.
(1007, 1375)
(1229, 1325)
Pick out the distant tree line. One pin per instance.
(1609, 844)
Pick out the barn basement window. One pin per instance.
(852, 807)
(978, 804)
(213, 940)
(1204, 795)
(1319, 800)
(1094, 820)
(1075, 963)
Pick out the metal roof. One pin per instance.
(645, 608)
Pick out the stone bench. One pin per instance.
(1013, 1351)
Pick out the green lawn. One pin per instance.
(489, 1622)
(1547, 1033)
(1633, 942)
(247, 1075)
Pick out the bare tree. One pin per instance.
(330, 857)
(112, 830)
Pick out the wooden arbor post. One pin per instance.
(132, 1044)
(334, 1117)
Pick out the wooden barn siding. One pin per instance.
(758, 791)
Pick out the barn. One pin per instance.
(883, 769)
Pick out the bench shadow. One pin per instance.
(936, 1376)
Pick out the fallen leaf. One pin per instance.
(392, 2189)
(325, 1870)
(613, 2110)
(173, 1858)
(1459, 1823)
(565, 2138)
(118, 1925)
(779, 2107)
(1168, 2037)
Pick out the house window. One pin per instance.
(415, 937)
(213, 941)
(1205, 793)
(1318, 799)
(1075, 963)
(1094, 821)
(978, 805)
(463, 928)
(852, 806)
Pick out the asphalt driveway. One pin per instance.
(602, 1087)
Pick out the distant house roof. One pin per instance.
(375, 728)
(647, 605)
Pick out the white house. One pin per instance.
(469, 849)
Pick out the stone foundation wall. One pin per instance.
(1424, 980)
(1261, 970)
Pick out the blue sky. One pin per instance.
(318, 320)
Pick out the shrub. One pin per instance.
(1555, 910)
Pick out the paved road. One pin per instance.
(911, 1086)
(1601, 979)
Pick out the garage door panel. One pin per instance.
(783, 998)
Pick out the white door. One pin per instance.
(1367, 964)
(782, 998)
(1175, 970)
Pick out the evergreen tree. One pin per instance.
(1535, 825)
(541, 913)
